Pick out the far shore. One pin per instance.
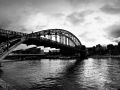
(105, 56)
(36, 57)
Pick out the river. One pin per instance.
(56, 74)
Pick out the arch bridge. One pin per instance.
(67, 42)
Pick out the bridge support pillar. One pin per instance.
(68, 42)
(39, 35)
(55, 37)
(44, 35)
(60, 40)
(50, 37)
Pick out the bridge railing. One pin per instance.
(12, 32)
(5, 46)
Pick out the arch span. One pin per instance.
(61, 33)
(5, 48)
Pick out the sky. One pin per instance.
(92, 21)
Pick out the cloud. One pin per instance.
(58, 15)
(75, 2)
(87, 37)
(84, 18)
(116, 39)
(94, 4)
(93, 1)
(114, 31)
(78, 17)
(86, 2)
(111, 9)
(15, 13)
(47, 6)
(74, 18)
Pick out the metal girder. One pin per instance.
(61, 33)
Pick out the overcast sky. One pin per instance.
(92, 21)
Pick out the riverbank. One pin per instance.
(37, 57)
(105, 56)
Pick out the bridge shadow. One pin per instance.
(1, 72)
(70, 77)
(72, 69)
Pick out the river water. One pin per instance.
(56, 74)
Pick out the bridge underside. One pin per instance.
(3, 39)
(64, 50)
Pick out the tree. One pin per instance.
(110, 48)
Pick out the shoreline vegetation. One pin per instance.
(109, 50)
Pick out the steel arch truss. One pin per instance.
(58, 35)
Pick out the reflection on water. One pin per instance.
(89, 74)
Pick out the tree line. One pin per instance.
(110, 49)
